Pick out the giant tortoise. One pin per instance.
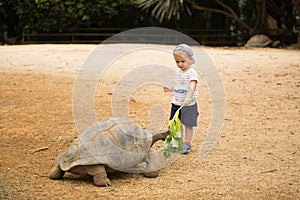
(110, 145)
(259, 41)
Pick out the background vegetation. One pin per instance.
(275, 18)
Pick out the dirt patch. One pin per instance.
(256, 157)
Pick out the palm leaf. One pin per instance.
(163, 9)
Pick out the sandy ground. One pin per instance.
(256, 157)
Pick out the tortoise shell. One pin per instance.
(116, 142)
(259, 41)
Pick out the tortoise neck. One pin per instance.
(160, 136)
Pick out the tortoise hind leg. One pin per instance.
(99, 175)
(56, 173)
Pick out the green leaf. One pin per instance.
(178, 134)
(173, 142)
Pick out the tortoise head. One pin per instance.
(160, 135)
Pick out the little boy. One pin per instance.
(185, 92)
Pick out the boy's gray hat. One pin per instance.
(184, 47)
(187, 49)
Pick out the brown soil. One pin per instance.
(256, 157)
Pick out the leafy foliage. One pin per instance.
(164, 9)
(235, 17)
(17, 16)
(173, 142)
(248, 17)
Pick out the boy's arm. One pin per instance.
(168, 89)
(191, 91)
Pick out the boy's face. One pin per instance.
(182, 60)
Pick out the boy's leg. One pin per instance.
(188, 134)
(189, 119)
(181, 128)
(187, 140)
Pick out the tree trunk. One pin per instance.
(225, 11)
(297, 16)
(261, 22)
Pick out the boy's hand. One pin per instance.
(167, 89)
(187, 101)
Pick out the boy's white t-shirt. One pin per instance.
(182, 85)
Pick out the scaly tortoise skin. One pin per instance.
(109, 145)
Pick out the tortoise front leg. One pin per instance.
(152, 174)
(153, 161)
(99, 175)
